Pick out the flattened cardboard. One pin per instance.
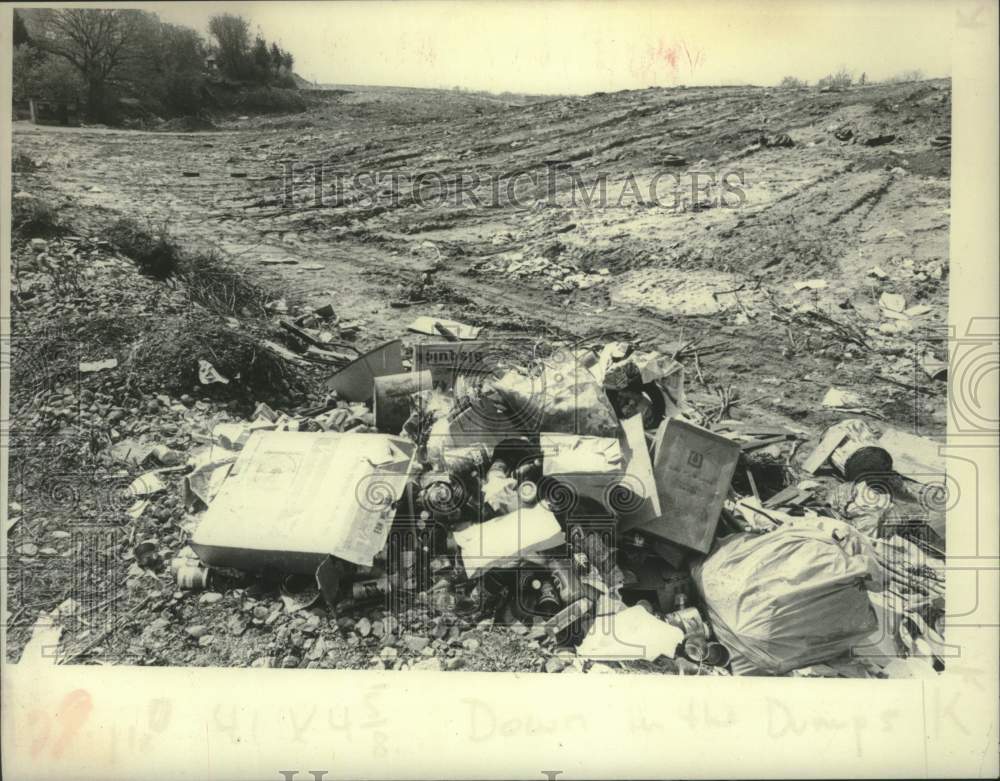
(293, 498)
(639, 471)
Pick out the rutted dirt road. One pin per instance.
(827, 186)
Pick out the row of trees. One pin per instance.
(100, 55)
(843, 79)
(238, 59)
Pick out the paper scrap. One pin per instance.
(208, 375)
(633, 633)
(508, 538)
(88, 367)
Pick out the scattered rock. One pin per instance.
(415, 643)
(317, 650)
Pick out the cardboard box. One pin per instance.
(446, 360)
(293, 498)
(693, 469)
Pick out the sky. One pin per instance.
(582, 47)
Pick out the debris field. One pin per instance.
(549, 437)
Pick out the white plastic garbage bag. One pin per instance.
(791, 597)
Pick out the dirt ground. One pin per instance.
(820, 209)
(841, 190)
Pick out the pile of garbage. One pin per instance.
(579, 499)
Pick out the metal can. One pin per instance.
(366, 590)
(859, 452)
(193, 578)
(718, 655)
(689, 621)
(458, 460)
(408, 569)
(528, 492)
(548, 600)
(696, 648)
(567, 583)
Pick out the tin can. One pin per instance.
(458, 460)
(192, 578)
(567, 583)
(718, 655)
(548, 600)
(528, 492)
(392, 392)
(696, 648)
(859, 453)
(408, 569)
(688, 620)
(367, 590)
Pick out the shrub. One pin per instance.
(836, 81)
(790, 82)
(23, 164)
(906, 76)
(211, 281)
(31, 219)
(220, 286)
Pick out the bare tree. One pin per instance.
(95, 41)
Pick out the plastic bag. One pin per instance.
(791, 597)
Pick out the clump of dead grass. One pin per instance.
(209, 279)
(34, 219)
(151, 249)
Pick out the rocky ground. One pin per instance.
(845, 198)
